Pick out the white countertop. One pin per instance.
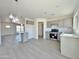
(69, 35)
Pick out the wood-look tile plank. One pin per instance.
(33, 49)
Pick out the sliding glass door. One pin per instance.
(20, 33)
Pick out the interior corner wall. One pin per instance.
(30, 30)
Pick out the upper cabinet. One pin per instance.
(66, 22)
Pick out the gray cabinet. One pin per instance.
(47, 35)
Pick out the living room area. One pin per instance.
(39, 29)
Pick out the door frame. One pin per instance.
(42, 29)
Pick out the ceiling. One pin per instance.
(37, 8)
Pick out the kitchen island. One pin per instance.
(70, 45)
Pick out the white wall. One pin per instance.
(29, 29)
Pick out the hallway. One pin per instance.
(33, 49)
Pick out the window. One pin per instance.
(20, 28)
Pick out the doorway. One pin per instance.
(40, 29)
(20, 33)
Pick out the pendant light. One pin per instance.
(16, 0)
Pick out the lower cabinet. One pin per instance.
(70, 46)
